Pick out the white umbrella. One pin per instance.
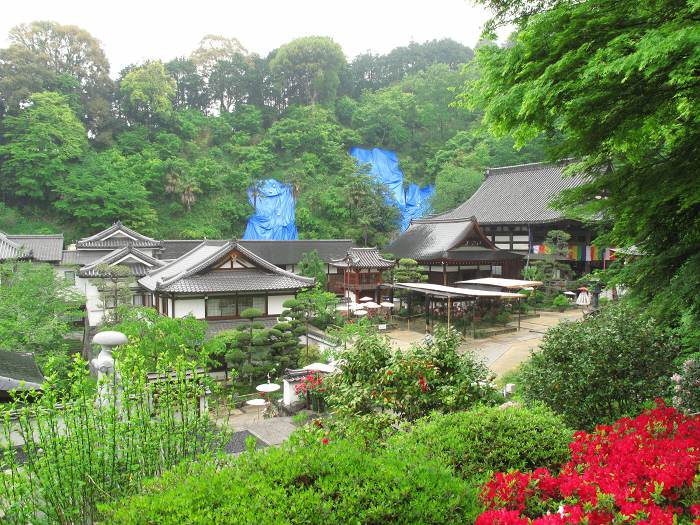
(386, 304)
(360, 312)
(371, 304)
(365, 298)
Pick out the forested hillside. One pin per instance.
(171, 148)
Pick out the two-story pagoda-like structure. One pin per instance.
(359, 274)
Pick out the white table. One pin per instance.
(259, 403)
(267, 388)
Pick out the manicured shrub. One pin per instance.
(484, 440)
(321, 484)
(560, 302)
(641, 470)
(602, 368)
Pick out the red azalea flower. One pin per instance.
(324, 441)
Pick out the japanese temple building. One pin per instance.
(513, 207)
(452, 250)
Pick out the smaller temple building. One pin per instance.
(454, 249)
(359, 273)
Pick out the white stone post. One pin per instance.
(103, 364)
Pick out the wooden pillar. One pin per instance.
(427, 312)
(444, 274)
(449, 311)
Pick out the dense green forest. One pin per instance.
(171, 148)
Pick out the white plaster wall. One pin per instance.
(92, 300)
(184, 307)
(275, 302)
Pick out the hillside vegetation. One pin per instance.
(171, 148)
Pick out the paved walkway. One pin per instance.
(502, 353)
(272, 431)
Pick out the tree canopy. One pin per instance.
(615, 86)
(172, 148)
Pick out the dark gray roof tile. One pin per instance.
(517, 194)
(43, 248)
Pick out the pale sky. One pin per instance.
(132, 31)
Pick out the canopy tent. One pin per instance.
(439, 290)
(497, 282)
(459, 294)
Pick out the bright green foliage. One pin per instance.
(560, 302)
(556, 243)
(321, 306)
(408, 271)
(158, 341)
(148, 92)
(100, 446)
(622, 98)
(320, 484)
(36, 309)
(253, 350)
(311, 265)
(105, 187)
(411, 383)
(309, 69)
(478, 442)
(40, 145)
(458, 166)
(47, 56)
(602, 368)
(173, 148)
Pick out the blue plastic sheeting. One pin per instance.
(274, 212)
(413, 202)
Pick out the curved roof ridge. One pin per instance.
(527, 167)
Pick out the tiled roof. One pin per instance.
(517, 194)
(362, 258)
(430, 238)
(291, 252)
(19, 370)
(192, 273)
(44, 248)
(176, 248)
(8, 249)
(129, 236)
(235, 281)
(276, 252)
(139, 262)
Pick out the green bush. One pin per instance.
(411, 383)
(321, 484)
(560, 302)
(600, 369)
(476, 443)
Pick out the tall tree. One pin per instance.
(41, 143)
(308, 70)
(41, 53)
(105, 187)
(618, 81)
(36, 309)
(148, 93)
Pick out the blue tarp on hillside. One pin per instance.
(414, 202)
(274, 212)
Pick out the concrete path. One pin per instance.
(272, 431)
(503, 353)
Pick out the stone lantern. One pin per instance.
(103, 364)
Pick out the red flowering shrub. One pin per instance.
(642, 470)
(312, 388)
